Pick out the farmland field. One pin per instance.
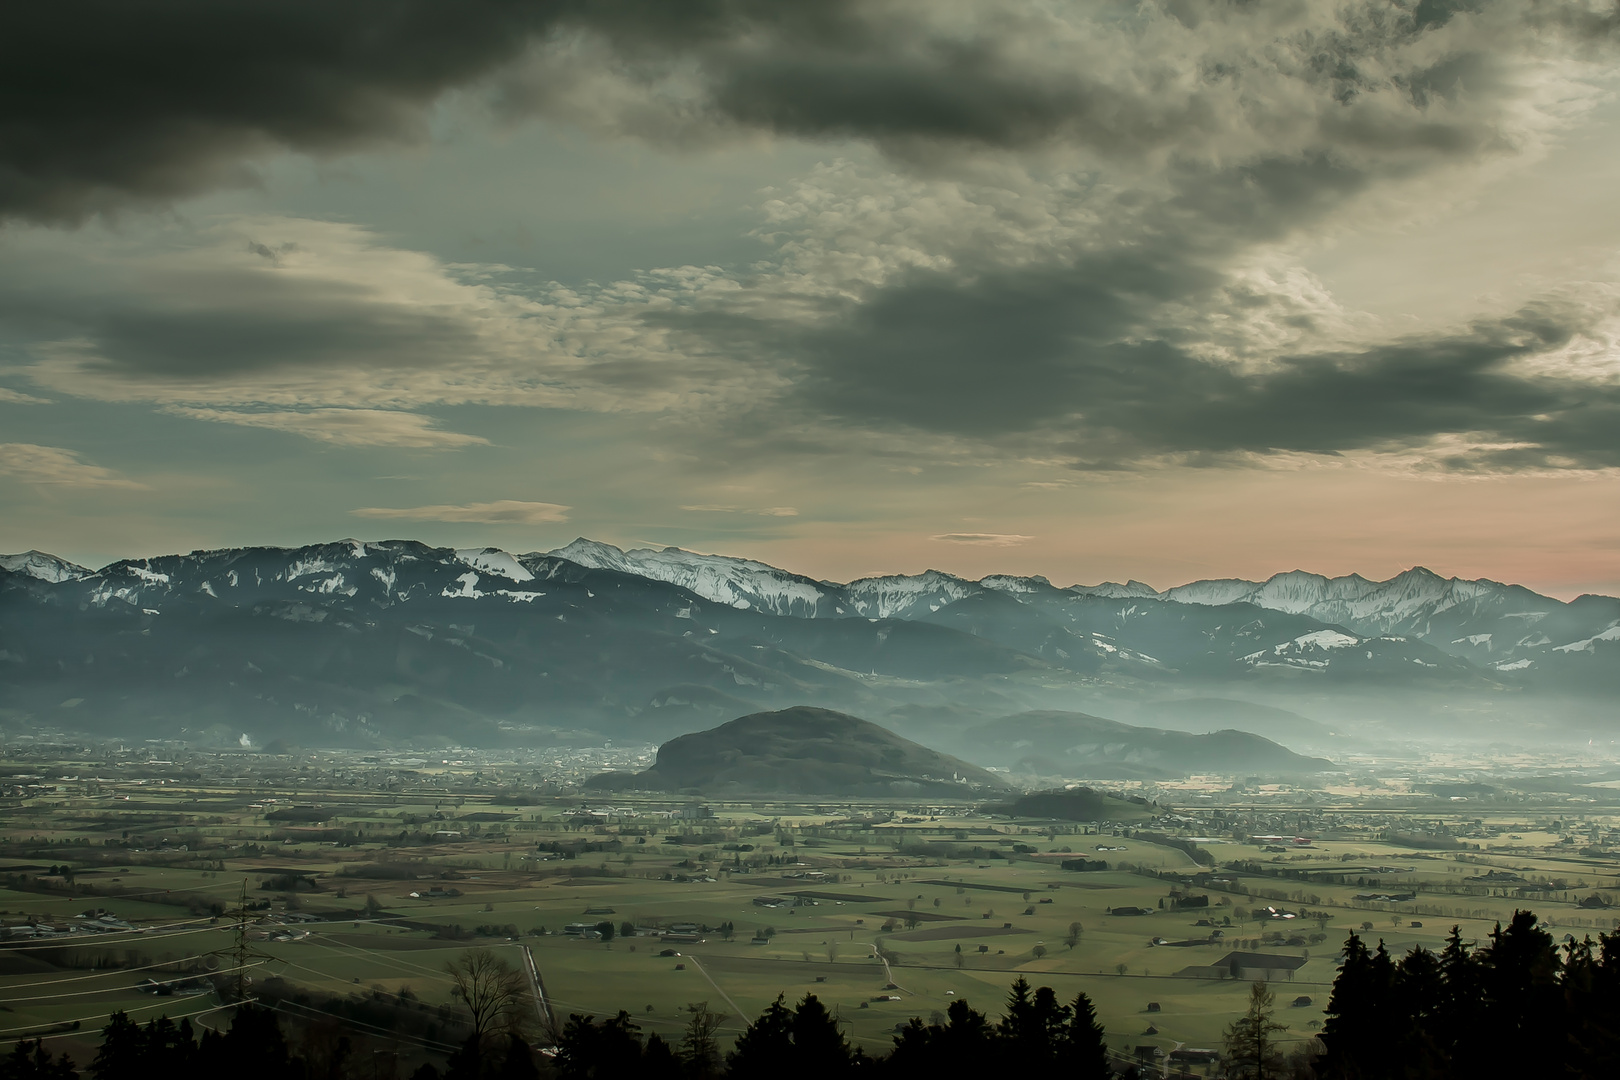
(884, 911)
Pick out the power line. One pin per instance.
(104, 990)
(403, 965)
(240, 950)
(184, 1016)
(92, 1016)
(119, 937)
(109, 973)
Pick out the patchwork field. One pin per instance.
(883, 911)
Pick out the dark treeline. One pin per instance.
(1036, 1032)
(1035, 1035)
(1516, 1006)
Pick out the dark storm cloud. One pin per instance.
(103, 103)
(1075, 355)
(108, 103)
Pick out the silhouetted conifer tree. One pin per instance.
(1418, 995)
(1083, 1055)
(1523, 1004)
(32, 1061)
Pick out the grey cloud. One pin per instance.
(279, 327)
(105, 104)
(207, 308)
(1073, 355)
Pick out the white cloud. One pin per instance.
(983, 539)
(500, 512)
(35, 464)
(343, 427)
(13, 397)
(764, 511)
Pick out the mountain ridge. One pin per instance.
(366, 641)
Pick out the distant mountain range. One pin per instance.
(1072, 744)
(369, 643)
(1492, 625)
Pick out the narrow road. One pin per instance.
(705, 973)
(542, 1007)
(888, 974)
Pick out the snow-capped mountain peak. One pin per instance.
(43, 566)
(901, 596)
(596, 555)
(723, 579)
(1113, 590)
(1010, 584)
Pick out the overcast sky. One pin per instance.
(1163, 290)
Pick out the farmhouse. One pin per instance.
(1251, 967)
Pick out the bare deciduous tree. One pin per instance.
(494, 993)
(700, 1048)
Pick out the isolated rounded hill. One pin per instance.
(809, 751)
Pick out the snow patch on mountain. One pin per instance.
(1589, 644)
(329, 586)
(468, 588)
(495, 561)
(315, 564)
(1326, 639)
(1305, 650)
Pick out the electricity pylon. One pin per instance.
(240, 952)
